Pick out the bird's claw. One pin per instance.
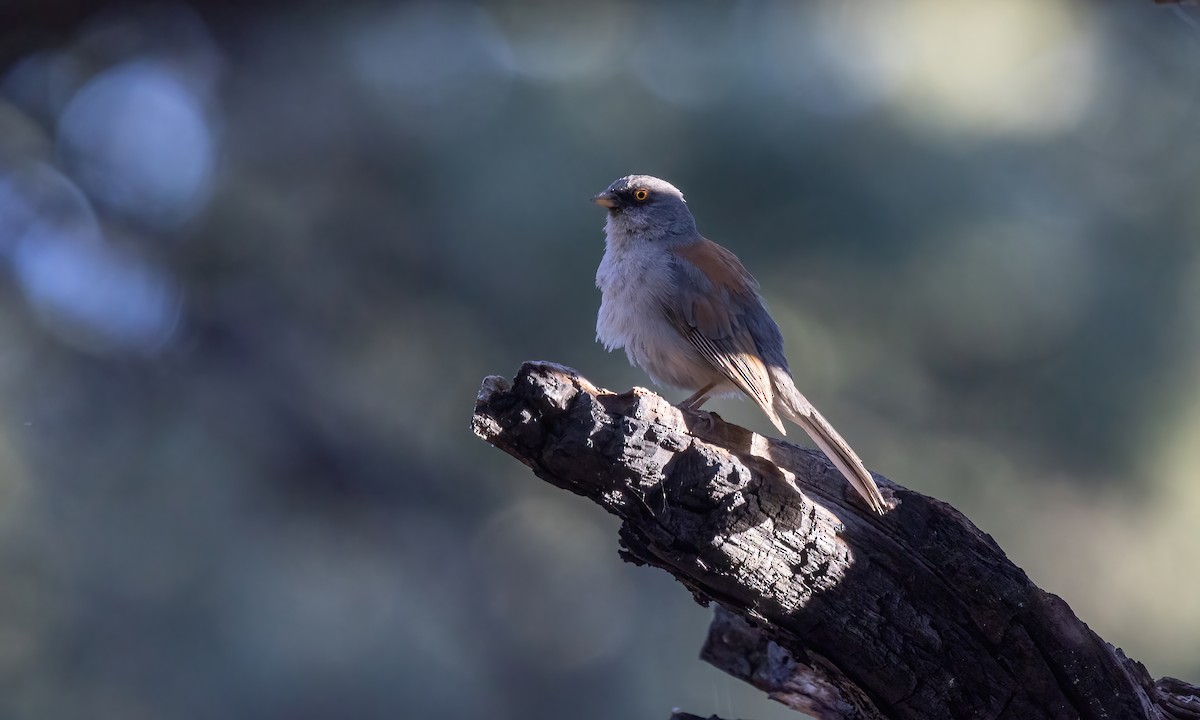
(706, 420)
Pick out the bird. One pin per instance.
(690, 315)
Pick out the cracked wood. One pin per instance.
(828, 608)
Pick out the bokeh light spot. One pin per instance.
(85, 291)
(139, 142)
(1001, 67)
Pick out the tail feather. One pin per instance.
(774, 418)
(796, 408)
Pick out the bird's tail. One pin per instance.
(795, 407)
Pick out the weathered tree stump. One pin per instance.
(830, 609)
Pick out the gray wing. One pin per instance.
(715, 310)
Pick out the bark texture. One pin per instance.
(828, 608)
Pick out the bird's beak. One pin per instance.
(606, 199)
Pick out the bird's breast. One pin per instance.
(635, 287)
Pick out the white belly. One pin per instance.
(634, 289)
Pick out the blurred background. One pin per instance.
(256, 258)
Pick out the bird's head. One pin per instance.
(645, 208)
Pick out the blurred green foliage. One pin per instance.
(256, 260)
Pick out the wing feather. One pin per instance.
(712, 298)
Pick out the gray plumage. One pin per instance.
(688, 313)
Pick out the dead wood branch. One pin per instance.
(831, 610)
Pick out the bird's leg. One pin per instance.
(695, 401)
(697, 398)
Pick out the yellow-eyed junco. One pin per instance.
(689, 314)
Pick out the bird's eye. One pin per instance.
(641, 194)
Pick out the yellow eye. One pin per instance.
(641, 194)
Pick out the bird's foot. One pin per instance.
(706, 420)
